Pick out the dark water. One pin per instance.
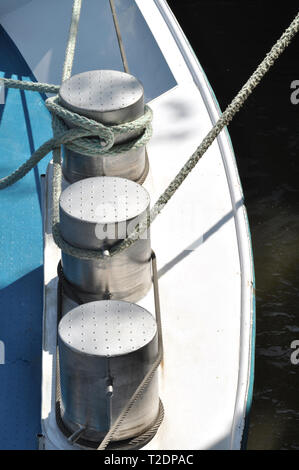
(230, 38)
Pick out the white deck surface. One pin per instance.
(202, 244)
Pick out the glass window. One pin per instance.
(145, 58)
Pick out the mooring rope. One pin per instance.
(86, 129)
(72, 39)
(87, 136)
(65, 286)
(148, 377)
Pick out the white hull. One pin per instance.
(201, 240)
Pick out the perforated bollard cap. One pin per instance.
(107, 96)
(107, 328)
(101, 205)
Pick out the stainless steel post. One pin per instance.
(105, 350)
(110, 97)
(97, 213)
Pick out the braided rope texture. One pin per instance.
(135, 443)
(72, 39)
(149, 375)
(103, 139)
(77, 136)
(103, 142)
(86, 136)
(223, 121)
(135, 397)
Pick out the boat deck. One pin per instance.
(201, 239)
(25, 124)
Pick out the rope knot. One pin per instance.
(88, 137)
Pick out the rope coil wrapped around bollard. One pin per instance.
(89, 128)
(91, 136)
(86, 136)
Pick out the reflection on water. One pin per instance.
(265, 136)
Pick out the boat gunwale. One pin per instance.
(240, 216)
(246, 362)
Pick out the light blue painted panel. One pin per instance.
(24, 124)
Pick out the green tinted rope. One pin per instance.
(226, 117)
(103, 141)
(30, 86)
(223, 121)
(71, 44)
(88, 137)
